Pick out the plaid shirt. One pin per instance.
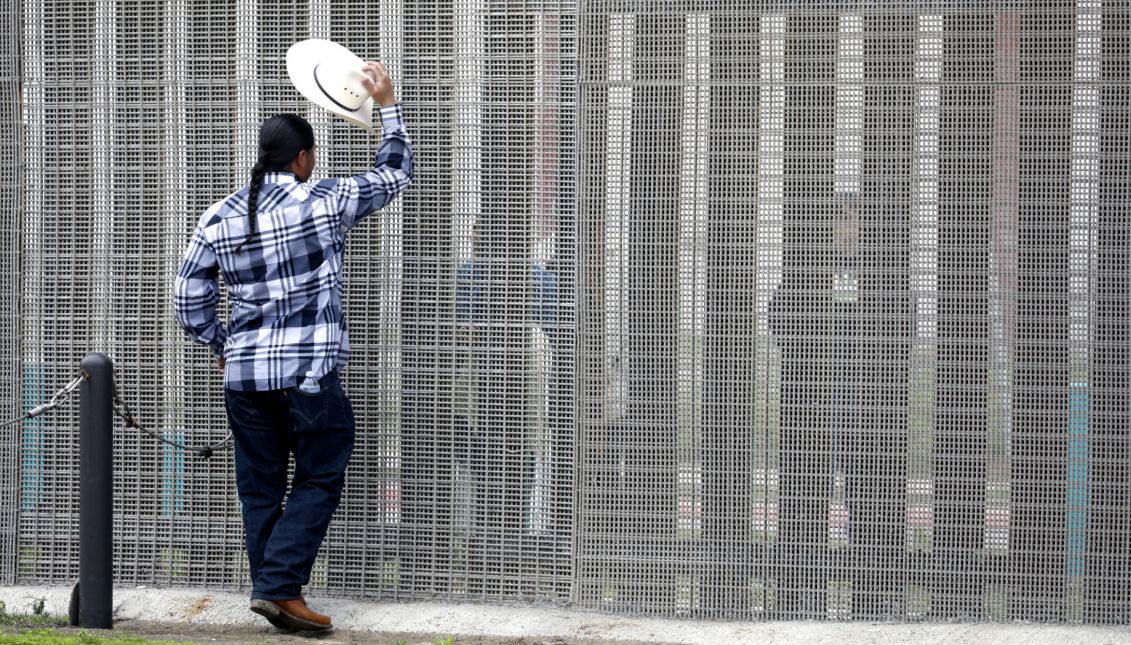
(285, 285)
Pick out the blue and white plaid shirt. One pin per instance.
(285, 285)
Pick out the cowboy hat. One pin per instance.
(331, 76)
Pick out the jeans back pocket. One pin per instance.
(309, 411)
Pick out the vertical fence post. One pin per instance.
(96, 486)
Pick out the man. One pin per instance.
(280, 244)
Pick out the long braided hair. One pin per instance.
(281, 138)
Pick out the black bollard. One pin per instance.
(96, 493)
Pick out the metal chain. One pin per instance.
(57, 399)
(122, 409)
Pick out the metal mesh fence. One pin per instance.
(851, 286)
(11, 178)
(852, 324)
(142, 114)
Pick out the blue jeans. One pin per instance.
(268, 427)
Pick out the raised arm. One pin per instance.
(358, 196)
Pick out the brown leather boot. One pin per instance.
(291, 614)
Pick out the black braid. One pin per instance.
(281, 138)
(257, 173)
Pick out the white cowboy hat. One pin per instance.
(330, 75)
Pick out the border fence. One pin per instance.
(731, 309)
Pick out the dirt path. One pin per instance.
(266, 635)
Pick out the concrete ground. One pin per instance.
(201, 616)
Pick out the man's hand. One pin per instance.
(379, 84)
(220, 363)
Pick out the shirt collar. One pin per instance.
(281, 178)
(289, 183)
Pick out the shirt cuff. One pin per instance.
(391, 118)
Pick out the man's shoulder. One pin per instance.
(234, 205)
(324, 187)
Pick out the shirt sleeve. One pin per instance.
(358, 196)
(196, 292)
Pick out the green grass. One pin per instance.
(49, 637)
(39, 618)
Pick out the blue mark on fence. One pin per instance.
(172, 475)
(1079, 492)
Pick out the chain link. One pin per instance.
(121, 408)
(56, 400)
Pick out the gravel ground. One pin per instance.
(201, 616)
(247, 635)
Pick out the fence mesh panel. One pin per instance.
(729, 309)
(11, 195)
(140, 115)
(853, 311)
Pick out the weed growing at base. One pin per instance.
(38, 617)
